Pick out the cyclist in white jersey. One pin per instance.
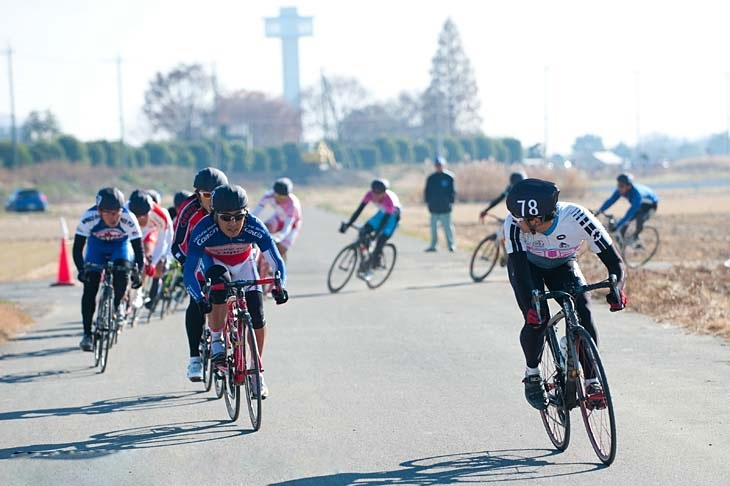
(286, 221)
(543, 237)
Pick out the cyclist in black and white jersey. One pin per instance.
(543, 237)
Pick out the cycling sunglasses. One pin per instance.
(232, 217)
(205, 195)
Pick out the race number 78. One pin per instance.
(531, 207)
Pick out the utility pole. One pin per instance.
(216, 125)
(727, 113)
(122, 155)
(637, 81)
(545, 110)
(13, 128)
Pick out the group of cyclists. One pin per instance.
(216, 238)
(209, 232)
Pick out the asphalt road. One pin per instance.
(417, 382)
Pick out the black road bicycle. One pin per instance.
(106, 324)
(357, 256)
(637, 251)
(490, 250)
(574, 376)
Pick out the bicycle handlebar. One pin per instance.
(539, 296)
(276, 280)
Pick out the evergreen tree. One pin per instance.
(451, 102)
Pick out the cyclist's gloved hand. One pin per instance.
(532, 318)
(205, 306)
(616, 305)
(81, 276)
(136, 279)
(483, 215)
(280, 295)
(343, 227)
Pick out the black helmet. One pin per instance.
(180, 198)
(139, 202)
(283, 186)
(155, 195)
(109, 198)
(379, 185)
(516, 177)
(209, 178)
(533, 198)
(626, 179)
(229, 198)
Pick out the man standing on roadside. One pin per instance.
(440, 194)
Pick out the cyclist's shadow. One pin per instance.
(137, 438)
(469, 467)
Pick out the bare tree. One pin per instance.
(180, 102)
(451, 102)
(264, 120)
(326, 104)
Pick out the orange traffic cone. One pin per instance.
(64, 267)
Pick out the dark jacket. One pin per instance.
(440, 192)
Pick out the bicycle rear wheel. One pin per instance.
(640, 251)
(556, 418)
(596, 406)
(484, 258)
(342, 268)
(253, 378)
(382, 269)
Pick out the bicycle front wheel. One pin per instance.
(232, 392)
(642, 249)
(383, 268)
(253, 378)
(556, 417)
(484, 258)
(342, 268)
(594, 397)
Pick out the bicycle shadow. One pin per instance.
(469, 467)
(136, 438)
(40, 353)
(46, 374)
(33, 337)
(123, 404)
(439, 286)
(323, 294)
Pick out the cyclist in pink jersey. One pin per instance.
(383, 224)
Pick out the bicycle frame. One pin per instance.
(568, 311)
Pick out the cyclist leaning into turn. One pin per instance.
(192, 210)
(222, 241)
(383, 224)
(286, 222)
(106, 231)
(543, 238)
(643, 201)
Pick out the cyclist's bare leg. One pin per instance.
(217, 317)
(260, 339)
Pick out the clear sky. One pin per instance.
(619, 69)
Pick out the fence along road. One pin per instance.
(417, 382)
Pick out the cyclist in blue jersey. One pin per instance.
(643, 201)
(222, 242)
(106, 230)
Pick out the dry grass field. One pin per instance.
(685, 283)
